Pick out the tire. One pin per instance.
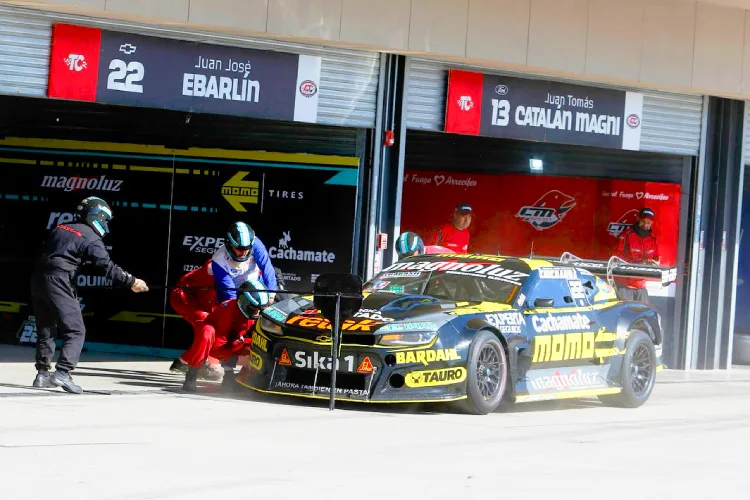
(638, 373)
(485, 393)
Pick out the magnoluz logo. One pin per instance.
(77, 183)
(561, 381)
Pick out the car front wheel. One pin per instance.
(487, 375)
(638, 372)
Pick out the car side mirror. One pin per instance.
(542, 303)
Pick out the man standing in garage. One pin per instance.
(66, 249)
(637, 246)
(454, 234)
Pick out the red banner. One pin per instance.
(74, 62)
(463, 113)
(515, 213)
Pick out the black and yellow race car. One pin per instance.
(479, 330)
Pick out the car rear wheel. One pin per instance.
(487, 375)
(638, 373)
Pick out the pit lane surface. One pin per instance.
(148, 441)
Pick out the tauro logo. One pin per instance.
(625, 221)
(68, 184)
(548, 210)
(285, 252)
(308, 88)
(76, 62)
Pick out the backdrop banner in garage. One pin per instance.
(515, 214)
(171, 208)
(91, 64)
(541, 110)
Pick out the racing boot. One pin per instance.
(64, 380)
(178, 366)
(42, 380)
(191, 380)
(227, 383)
(210, 372)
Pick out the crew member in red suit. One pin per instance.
(637, 246)
(194, 297)
(222, 333)
(454, 234)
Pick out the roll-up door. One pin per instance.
(671, 122)
(746, 137)
(348, 84)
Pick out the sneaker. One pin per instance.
(179, 366)
(228, 382)
(42, 381)
(64, 380)
(191, 379)
(210, 372)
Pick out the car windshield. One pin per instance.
(462, 284)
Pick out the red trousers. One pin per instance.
(208, 342)
(194, 314)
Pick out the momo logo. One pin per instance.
(625, 221)
(76, 62)
(76, 183)
(465, 103)
(239, 191)
(285, 252)
(548, 210)
(202, 244)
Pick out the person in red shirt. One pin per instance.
(454, 234)
(637, 246)
(222, 333)
(193, 298)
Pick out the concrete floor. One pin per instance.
(148, 441)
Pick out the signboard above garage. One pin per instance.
(540, 110)
(91, 64)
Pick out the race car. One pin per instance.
(478, 330)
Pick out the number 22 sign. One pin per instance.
(124, 76)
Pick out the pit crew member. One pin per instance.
(66, 249)
(637, 246)
(454, 234)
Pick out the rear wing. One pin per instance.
(616, 267)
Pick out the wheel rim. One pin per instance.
(641, 370)
(490, 371)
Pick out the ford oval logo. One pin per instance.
(501, 89)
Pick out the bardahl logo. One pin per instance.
(548, 210)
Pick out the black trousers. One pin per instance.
(57, 314)
(632, 294)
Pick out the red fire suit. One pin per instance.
(194, 297)
(636, 250)
(447, 235)
(220, 335)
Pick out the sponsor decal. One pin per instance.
(509, 322)
(308, 88)
(415, 274)
(557, 273)
(575, 379)
(284, 359)
(76, 183)
(76, 62)
(439, 180)
(189, 267)
(318, 361)
(202, 244)
(239, 191)
(282, 194)
(408, 327)
(576, 289)
(427, 356)
(371, 314)
(260, 342)
(84, 281)
(604, 286)
(474, 269)
(432, 378)
(56, 218)
(27, 333)
(319, 389)
(291, 277)
(284, 251)
(560, 322)
(623, 223)
(363, 325)
(633, 121)
(521, 300)
(255, 361)
(365, 366)
(378, 285)
(562, 347)
(465, 103)
(548, 210)
(275, 313)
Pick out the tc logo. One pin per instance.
(465, 103)
(76, 62)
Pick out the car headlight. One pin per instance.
(269, 326)
(407, 338)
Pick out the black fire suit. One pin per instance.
(67, 248)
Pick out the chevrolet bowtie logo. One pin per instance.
(128, 49)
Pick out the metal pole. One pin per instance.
(335, 351)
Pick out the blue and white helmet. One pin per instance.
(96, 213)
(408, 243)
(240, 236)
(251, 298)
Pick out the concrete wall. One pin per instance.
(683, 45)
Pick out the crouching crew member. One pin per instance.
(66, 249)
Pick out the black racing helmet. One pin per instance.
(251, 297)
(95, 213)
(240, 236)
(408, 243)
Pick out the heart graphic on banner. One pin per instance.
(439, 179)
(639, 195)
